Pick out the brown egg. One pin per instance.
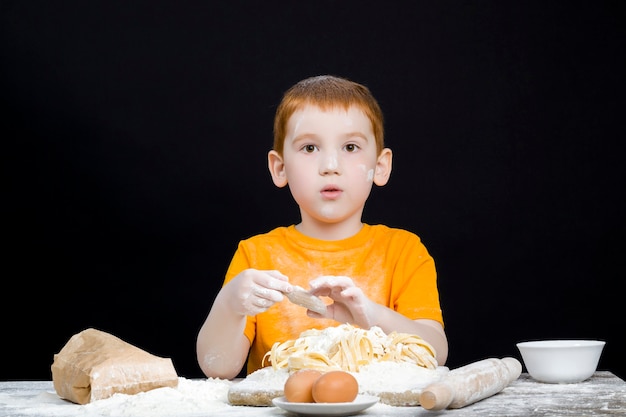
(335, 387)
(299, 386)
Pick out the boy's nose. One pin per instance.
(329, 164)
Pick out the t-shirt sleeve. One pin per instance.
(416, 294)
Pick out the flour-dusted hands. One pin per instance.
(350, 303)
(253, 291)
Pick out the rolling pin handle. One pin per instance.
(514, 366)
(470, 383)
(436, 396)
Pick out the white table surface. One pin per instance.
(602, 395)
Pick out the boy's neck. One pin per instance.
(329, 231)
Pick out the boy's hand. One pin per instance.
(253, 291)
(350, 304)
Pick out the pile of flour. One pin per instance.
(190, 397)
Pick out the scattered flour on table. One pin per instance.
(206, 397)
(190, 398)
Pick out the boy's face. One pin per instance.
(330, 162)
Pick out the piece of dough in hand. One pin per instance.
(94, 365)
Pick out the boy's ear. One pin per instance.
(383, 167)
(276, 166)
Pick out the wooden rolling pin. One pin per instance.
(470, 383)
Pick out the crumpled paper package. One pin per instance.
(94, 365)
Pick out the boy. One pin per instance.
(329, 149)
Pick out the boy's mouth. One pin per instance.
(331, 192)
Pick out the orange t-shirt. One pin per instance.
(391, 266)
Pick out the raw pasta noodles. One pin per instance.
(346, 347)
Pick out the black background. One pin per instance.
(135, 141)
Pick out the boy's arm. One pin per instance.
(221, 346)
(436, 336)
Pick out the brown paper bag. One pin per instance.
(94, 365)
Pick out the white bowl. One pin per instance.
(561, 361)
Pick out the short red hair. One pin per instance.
(327, 92)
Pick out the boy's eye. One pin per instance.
(308, 148)
(351, 147)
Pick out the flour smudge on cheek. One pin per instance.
(369, 172)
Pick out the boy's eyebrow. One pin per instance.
(307, 135)
(357, 133)
(303, 136)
